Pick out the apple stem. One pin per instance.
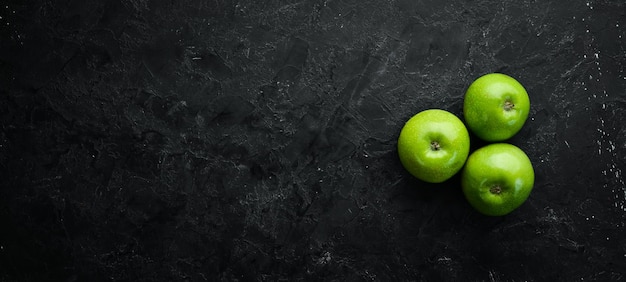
(435, 146)
(495, 189)
(508, 105)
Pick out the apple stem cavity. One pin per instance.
(495, 189)
(508, 105)
(434, 145)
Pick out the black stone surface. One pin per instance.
(255, 140)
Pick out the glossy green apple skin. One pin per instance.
(495, 107)
(497, 165)
(416, 151)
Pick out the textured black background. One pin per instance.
(255, 140)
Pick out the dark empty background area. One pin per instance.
(223, 140)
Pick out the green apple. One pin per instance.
(495, 107)
(497, 179)
(433, 145)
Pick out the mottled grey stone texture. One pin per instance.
(256, 140)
